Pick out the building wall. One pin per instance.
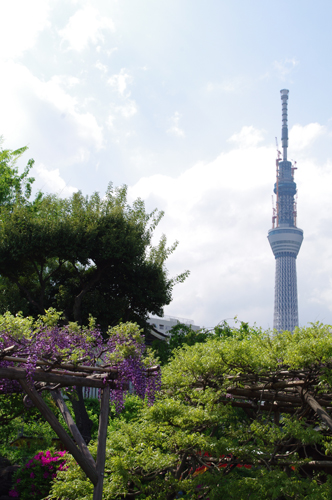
(164, 324)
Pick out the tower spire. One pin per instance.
(284, 130)
(285, 239)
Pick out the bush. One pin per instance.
(34, 479)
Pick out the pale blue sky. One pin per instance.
(180, 100)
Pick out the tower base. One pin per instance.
(285, 298)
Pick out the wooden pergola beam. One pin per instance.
(12, 373)
(317, 408)
(70, 366)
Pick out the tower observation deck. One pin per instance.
(284, 237)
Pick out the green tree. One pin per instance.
(233, 420)
(183, 334)
(86, 255)
(14, 187)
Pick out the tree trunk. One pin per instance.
(78, 299)
(28, 295)
(82, 420)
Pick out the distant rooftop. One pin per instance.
(186, 321)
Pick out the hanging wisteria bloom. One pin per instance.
(44, 346)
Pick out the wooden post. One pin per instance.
(57, 396)
(82, 461)
(101, 451)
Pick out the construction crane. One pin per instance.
(295, 209)
(275, 216)
(278, 152)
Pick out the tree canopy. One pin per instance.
(80, 255)
(239, 416)
(14, 187)
(86, 255)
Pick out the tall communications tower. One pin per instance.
(284, 237)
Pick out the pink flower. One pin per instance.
(32, 475)
(13, 493)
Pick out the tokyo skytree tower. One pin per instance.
(284, 237)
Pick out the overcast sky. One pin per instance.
(180, 100)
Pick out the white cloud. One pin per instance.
(111, 51)
(120, 81)
(68, 80)
(128, 110)
(52, 181)
(301, 137)
(284, 67)
(101, 67)
(45, 115)
(128, 107)
(207, 208)
(221, 212)
(110, 121)
(247, 137)
(53, 92)
(85, 26)
(175, 128)
(88, 128)
(229, 85)
(21, 23)
(21, 90)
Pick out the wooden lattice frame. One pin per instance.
(53, 376)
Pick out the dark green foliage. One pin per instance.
(11, 299)
(15, 421)
(179, 335)
(79, 255)
(84, 255)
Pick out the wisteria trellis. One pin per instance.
(51, 358)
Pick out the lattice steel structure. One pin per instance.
(284, 237)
